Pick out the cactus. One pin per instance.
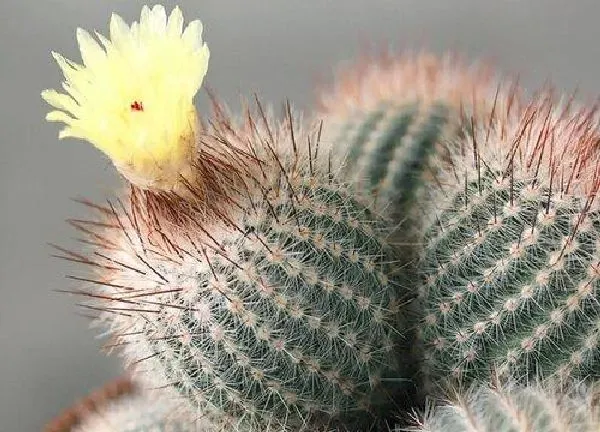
(510, 250)
(510, 408)
(237, 273)
(280, 306)
(249, 274)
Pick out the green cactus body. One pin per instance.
(515, 409)
(283, 306)
(511, 253)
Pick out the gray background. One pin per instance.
(48, 356)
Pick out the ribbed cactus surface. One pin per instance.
(384, 151)
(280, 307)
(511, 251)
(515, 409)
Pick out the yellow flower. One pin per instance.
(133, 96)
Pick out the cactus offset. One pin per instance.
(516, 409)
(281, 304)
(511, 248)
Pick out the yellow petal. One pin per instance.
(60, 100)
(175, 23)
(73, 92)
(69, 133)
(134, 33)
(192, 35)
(119, 31)
(144, 22)
(91, 52)
(158, 19)
(104, 41)
(59, 116)
(133, 96)
(201, 67)
(68, 68)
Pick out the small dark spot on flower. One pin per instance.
(137, 106)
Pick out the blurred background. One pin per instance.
(278, 49)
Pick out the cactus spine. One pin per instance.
(516, 409)
(279, 306)
(510, 254)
